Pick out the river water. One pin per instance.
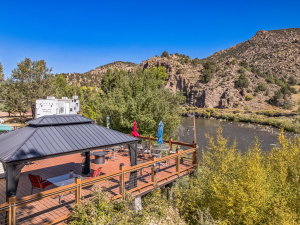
(243, 133)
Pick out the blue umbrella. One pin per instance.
(160, 132)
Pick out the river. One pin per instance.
(243, 133)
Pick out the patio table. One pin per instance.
(158, 149)
(62, 180)
(100, 157)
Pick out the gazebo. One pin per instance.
(54, 136)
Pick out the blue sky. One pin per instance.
(77, 36)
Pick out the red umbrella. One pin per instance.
(134, 132)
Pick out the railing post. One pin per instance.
(195, 155)
(11, 217)
(150, 142)
(153, 172)
(177, 162)
(122, 181)
(78, 190)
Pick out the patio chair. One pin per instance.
(113, 154)
(125, 150)
(38, 183)
(96, 173)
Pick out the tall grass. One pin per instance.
(253, 188)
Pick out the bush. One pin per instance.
(165, 54)
(179, 71)
(245, 65)
(249, 97)
(156, 210)
(249, 91)
(242, 81)
(195, 61)
(249, 188)
(292, 80)
(261, 87)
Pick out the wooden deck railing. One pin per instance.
(121, 178)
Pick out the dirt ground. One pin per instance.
(15, 120)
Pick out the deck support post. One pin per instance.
(169, 191)
(195, 155)
(122, 181)
(177, 162)
(153, 172)
(137, 204)
(78, 190)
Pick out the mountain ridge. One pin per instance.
(269, 60)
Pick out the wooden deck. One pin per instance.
(48, 210)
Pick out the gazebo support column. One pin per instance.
(87, 167)
(12, 174)
(133, 154)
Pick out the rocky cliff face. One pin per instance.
(220, 92)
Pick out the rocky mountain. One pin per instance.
(94, 76)
(277, 51)
(250, 75)
(220, 91)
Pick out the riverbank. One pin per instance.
(283, 120)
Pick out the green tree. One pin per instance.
(14, 100)
(1, 74)
(139, 96)
(33, 81)
(165, 54)
(209, 68)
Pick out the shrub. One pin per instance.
(179, 71)
(249, 97)
(262, 87)
(249, 188)
(156, 210)
(249, 91)
(292, 80)
(242, 81)
(245, 65)
(195, 61)
(165, 54)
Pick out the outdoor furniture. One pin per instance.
(62, 180)
(96, 173)
(113, 154)
(38, 182)
(125, 150)
(142, 169)
(100, 157)
(159, 149)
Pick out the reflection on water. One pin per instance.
(243, 133)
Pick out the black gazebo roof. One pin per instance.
(51, 136)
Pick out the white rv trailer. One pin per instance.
(53, 106)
